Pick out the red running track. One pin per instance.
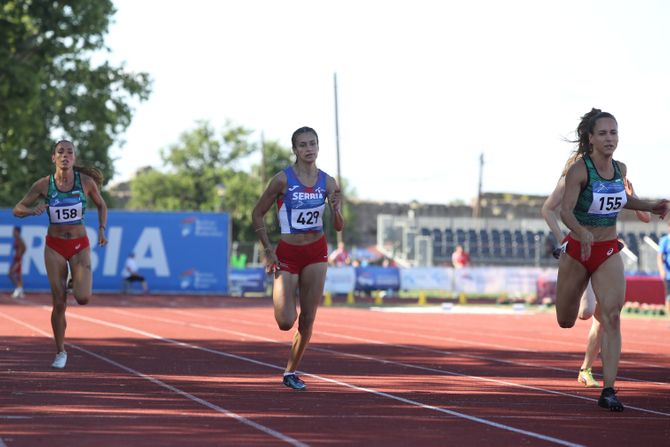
(206, 371)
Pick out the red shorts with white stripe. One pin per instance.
(293, 258)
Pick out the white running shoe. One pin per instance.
(60, 360)
(16, 293)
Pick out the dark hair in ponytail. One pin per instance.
(300, 131)
(92, 172)
(584, 129)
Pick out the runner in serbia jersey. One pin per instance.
(301, 208)
(66, 208)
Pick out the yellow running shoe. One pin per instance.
(586, 377)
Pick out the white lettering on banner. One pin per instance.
(207, 228)
(112, 251)
(35, 238)
(150, 251)
(5, 249)
(92, 236)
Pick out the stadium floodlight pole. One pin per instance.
(478, 205)
(337, 147)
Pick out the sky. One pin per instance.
(424, 87)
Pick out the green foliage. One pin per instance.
(205, 172)
(208, 170)
(50, 89)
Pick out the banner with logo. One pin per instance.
(177, 252)
(248, 280)
(427, 278)
(511, 280)
(340, 280)
(377, 278)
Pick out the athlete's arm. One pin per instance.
(91, 190)
(274, 190)
(25, 206)
(575, 179)
(660, 262)
(643, 216)
(550, 207)
(335, 202)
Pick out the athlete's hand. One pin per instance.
(271, 261)
(556, 253)
(102, 240)
(335, 200)
(586, 240)
(628, 187)
(39, 209)
(661, 208)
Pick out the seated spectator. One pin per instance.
(130, 275)
(340, 256)
(460, 258)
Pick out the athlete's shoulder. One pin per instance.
(42, 182)
(577, 169)
(622, 167)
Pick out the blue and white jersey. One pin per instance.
(301, 208)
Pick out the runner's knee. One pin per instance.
(566, 324)
(285, 323)
(82, 299)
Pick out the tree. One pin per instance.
(205, 173)
(51, 89)
(210, 171)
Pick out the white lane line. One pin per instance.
(218, 409)
(326, 379)
(244, 335)
(415, 348)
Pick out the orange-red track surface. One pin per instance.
(206, 371)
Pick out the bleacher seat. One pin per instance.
(484, 244)
(437, 243)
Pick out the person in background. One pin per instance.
(588, 305)
(131, 275)
(594, 195)
(460, 258)
(300, 260)
(63, 196)
(663, 261)
(339, 256)
(15, 276)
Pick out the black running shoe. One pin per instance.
(608, 400)
(293, 381)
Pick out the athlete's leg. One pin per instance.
(82, 276)
(587, 305)
(609, 285)
(594, 341)
(570, 285)
(283, 297)
(312, 281)
(56, 266)
(13, 277)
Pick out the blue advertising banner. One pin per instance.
(177, 252)
(377, 278)
(253, 279)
